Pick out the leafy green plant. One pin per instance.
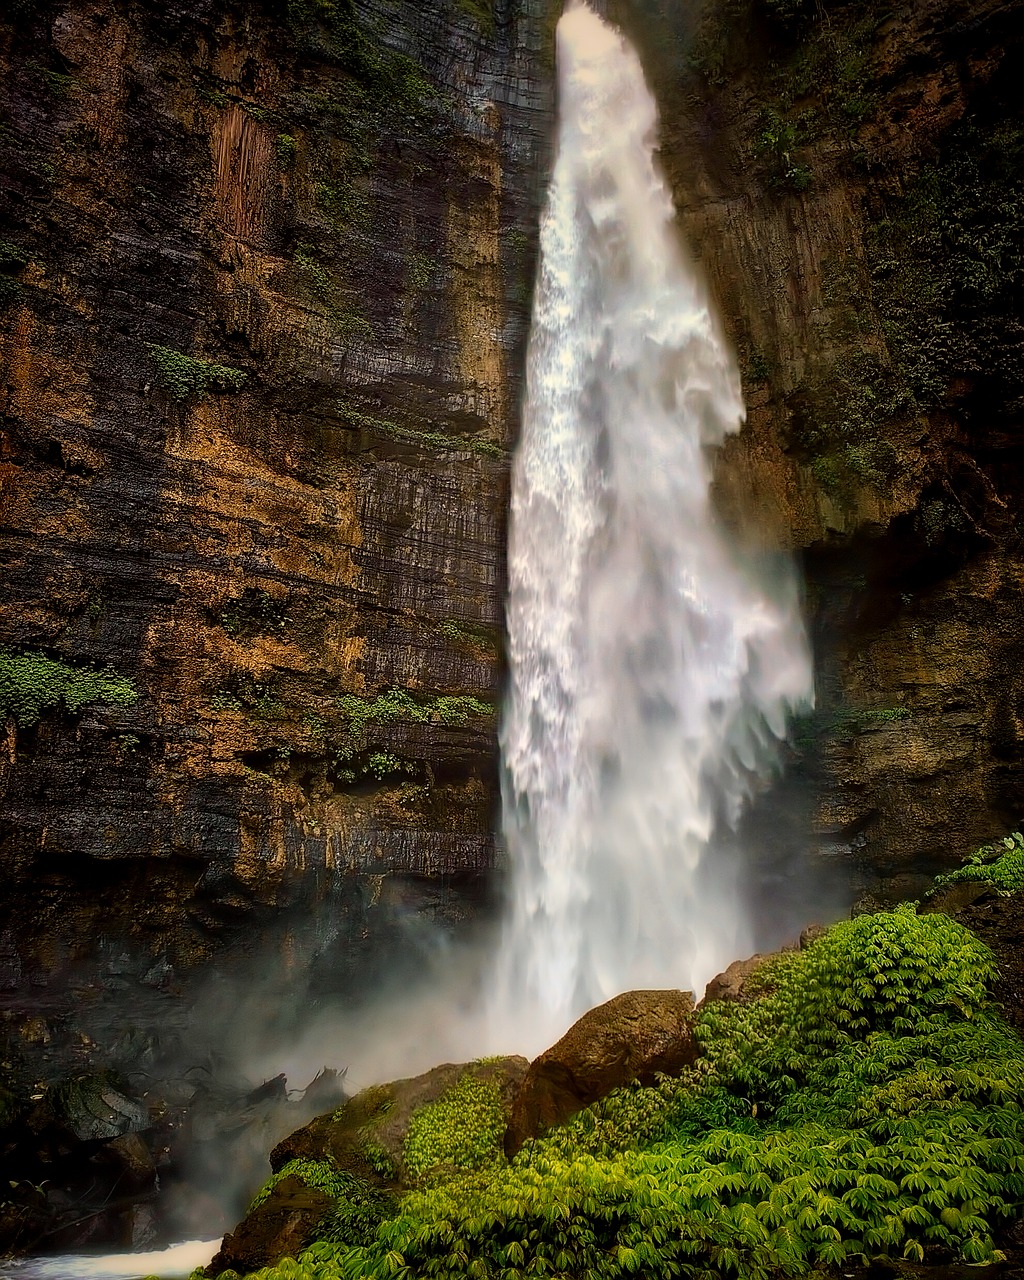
(360, 1210)
(384, 764)
(186, 377)
(254, 612)
(777, 143)
(1000, 864)
(256, 698)
(285, 150)
(324, 1175)
(481, 11)
(31, 683)
(463, 1129)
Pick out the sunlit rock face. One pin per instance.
(338, 214)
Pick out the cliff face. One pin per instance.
(850, 177)
(265, 286)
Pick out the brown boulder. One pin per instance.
(366, 1136)
(633, 1037)
(731, 984)
(364, 1139)
(281, 1227)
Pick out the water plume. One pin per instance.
(650, 673)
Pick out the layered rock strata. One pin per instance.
(265, 283)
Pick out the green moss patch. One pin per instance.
(31, 683)
(399, 704)
(188, 378)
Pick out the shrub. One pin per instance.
(463, 1128)
(1000, 864)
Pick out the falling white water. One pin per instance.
(650, 676)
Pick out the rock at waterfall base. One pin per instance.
(636, 1036)
(365, 1140)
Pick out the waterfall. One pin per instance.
(650, 674)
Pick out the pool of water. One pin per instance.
(177, 1260)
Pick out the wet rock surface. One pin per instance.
(281, 1228)
(97, 1160)
(635, 1036)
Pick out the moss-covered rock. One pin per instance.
(338, 1177)
(283, 1223)
(370, 1135)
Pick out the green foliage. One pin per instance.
(860, 721)
(481, 11)
(31, 683)
(462, 443)
(12, 259)
(360, 1210)
(186, 378)
(254, 697)
(948, 270)
(324, 1175)
(463, 1129)
(838, 415)
(776, 144)
(867, 1103)
(11, 291)
(894, 973)
(12, 256)
(380, 1160)
(1000, 864)
(399, 704)
(346, 202)
(384, 764)
(285, 151)
(422, 269)
(385, 89)
(56, 82)
(470, 635)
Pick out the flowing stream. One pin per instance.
(651, 675)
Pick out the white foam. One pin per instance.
(174, 1261)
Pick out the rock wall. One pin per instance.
(849, 175)
(264, 280)
(264, 287)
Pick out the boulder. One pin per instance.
(948, 899)
(366, 1136)
(731, 984)
(361, 1149)
(95, 1106)
(280, 1228)
(636, 1036)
